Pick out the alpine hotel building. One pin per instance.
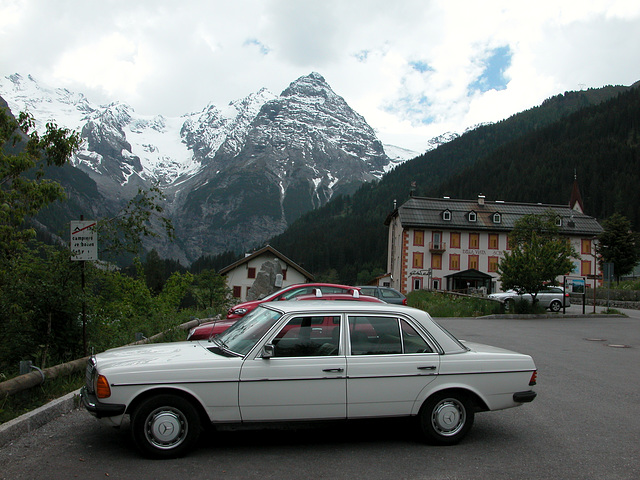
(455, 245)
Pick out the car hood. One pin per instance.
(253, 304)
(159, 357)
(205, 330)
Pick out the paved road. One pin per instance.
(585, 424)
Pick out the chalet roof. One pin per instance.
(423, 212)
(274, 252)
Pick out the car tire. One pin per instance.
(555, 306)
(165, 426)
(509, 305)
(445, 418)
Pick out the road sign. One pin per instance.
(84, 240)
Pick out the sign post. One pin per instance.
(84, 246)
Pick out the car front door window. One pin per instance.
(308, 336)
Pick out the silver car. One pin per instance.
(553, 298)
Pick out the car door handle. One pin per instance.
(333, 370)
(430, 367)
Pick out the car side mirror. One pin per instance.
(268, 351)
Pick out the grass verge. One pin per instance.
(439, 304)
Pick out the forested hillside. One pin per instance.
(601, 145)
(576, 130)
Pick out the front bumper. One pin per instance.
(524, 397)
(98, 409)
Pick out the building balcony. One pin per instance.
(437, 247)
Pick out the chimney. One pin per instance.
(481, 200)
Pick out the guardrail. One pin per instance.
(38, 377)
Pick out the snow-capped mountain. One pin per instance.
(234, 176)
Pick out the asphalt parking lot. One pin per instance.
(585, 424)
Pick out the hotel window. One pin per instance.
(418, 238)
(454, 240)
(497, 218)
(494, 242)
(586, 246)
(284, 274)
(237, 291)
(474, 240)
(509, 243)
(558, 221)
(472, 216)
(418, 260)
(585, 268)
(454, 262)
(473, 262)
(436, 261)
(251, 272)
(493, 264)
(446, 216)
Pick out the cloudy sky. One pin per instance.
(413, 68)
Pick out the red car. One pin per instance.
(320, 324)
(341, 296)
(287, 293)
(206, 330)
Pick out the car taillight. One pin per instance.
(534, 378)
(103, 390)
(404, 301)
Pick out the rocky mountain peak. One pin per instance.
(234, 175)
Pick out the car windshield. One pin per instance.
(242, 336)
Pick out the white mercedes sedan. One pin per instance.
(304, 361)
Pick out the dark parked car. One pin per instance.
(389, 295)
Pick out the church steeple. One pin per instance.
(575, 203)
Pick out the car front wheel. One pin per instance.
(555, 306)
(165, 426)
(445, 418)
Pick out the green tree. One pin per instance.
(619, 245)
(539, 254)
(24, 154)
(211, 291)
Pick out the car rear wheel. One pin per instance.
(555, 306)
(445, 418)
(165, 426)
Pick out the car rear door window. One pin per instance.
(373, 335)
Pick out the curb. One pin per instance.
(35, 419)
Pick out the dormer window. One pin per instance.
(446, 215)
(472, 216)
(558, 221)
(497, 218)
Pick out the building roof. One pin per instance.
(423, 212)
(273, 251)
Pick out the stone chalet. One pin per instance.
(241, 274)
(455, 245)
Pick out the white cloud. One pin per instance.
(408, 66)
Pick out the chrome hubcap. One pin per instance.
(448, 417)
(166, 428)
